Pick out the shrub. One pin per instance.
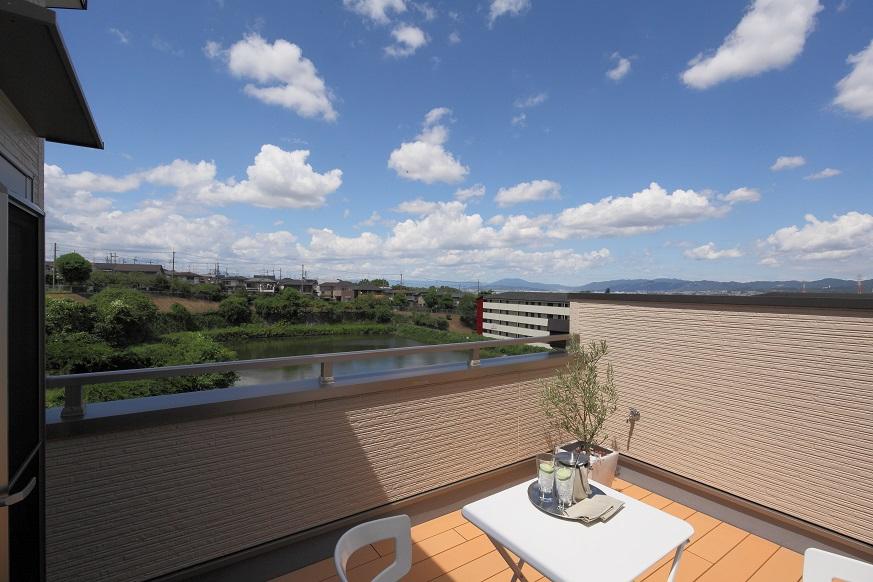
(77, 353)
(68, 316)
(425, 320)
(73, 267)
(124, 316)
(289, 306)
(235, 310)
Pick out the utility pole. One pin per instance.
(302, 276)
(173, 275)
(55, 268)
(401, 279)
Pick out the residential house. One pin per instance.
(337, 290)
(231, 283)
(261, 284)
(370, 289)
(143, 268)
(304, 286)
(189, 277)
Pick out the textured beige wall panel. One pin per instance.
(135, 504)
(774, 405)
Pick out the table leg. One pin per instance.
(676, 559)
(516, 568)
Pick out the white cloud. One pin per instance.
(846, 236)
(500, 8)
(709, 252)
(519, 120)
(276, 179)
(770, 36)
(407, 40)
(265, 244)
(427, 11)
(454, 37)
(282, 75)
(621, 69)
(826, 173)
(531, 101)
(471, 193)
(787, 162)
(426, 159)
(642, 212)
(417, 206)
(123, 36)
(741, 195)
(855, 90)
(528, 192)
(376, 10)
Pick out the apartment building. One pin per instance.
(523, 314)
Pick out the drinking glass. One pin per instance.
(546, 474)
(564, 485)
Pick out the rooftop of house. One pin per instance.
(128, 267)
(530, 296)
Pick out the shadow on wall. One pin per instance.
(139, 503)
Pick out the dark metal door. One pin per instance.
(22, 529)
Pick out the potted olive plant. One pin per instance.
(579, 400)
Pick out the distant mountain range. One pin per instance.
(684, 286)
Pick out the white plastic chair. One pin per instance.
(822, 566)
(398, 527)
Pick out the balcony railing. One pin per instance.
(73, 384)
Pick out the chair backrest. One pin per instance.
(397, 528)
(822, 566)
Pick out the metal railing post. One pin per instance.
(74, 407)
(326, 373)
(475, 357)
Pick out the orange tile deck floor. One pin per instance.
(451, 548)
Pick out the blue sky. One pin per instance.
(561, 142)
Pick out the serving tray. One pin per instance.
(550, 505)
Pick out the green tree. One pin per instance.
(123, 315)
(235, 310)
(399, 300)
(74, 268)
(467, 309)
(289, 306)
(68, 316)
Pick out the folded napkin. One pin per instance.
(598, 507)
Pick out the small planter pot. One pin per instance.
(604, 463)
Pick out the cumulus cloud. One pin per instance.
(845, 236)
(741, 195)
(787, 162)
(528, 192)
(417, 206)
(826, 173)
(646, 211)
(276, 179)
(454, 37)
(531, 101)
(770, 36)
(376, 10)
(264, 244)
(281, 74)
(425, 159)
(855, 90)
(621, 69)
(500, 8)
(709, 252)
(473, 192)
(407, 40)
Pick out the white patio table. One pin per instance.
(566, 551)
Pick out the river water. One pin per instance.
(297, 346)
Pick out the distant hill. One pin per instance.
(522, 285)
(725, 287)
